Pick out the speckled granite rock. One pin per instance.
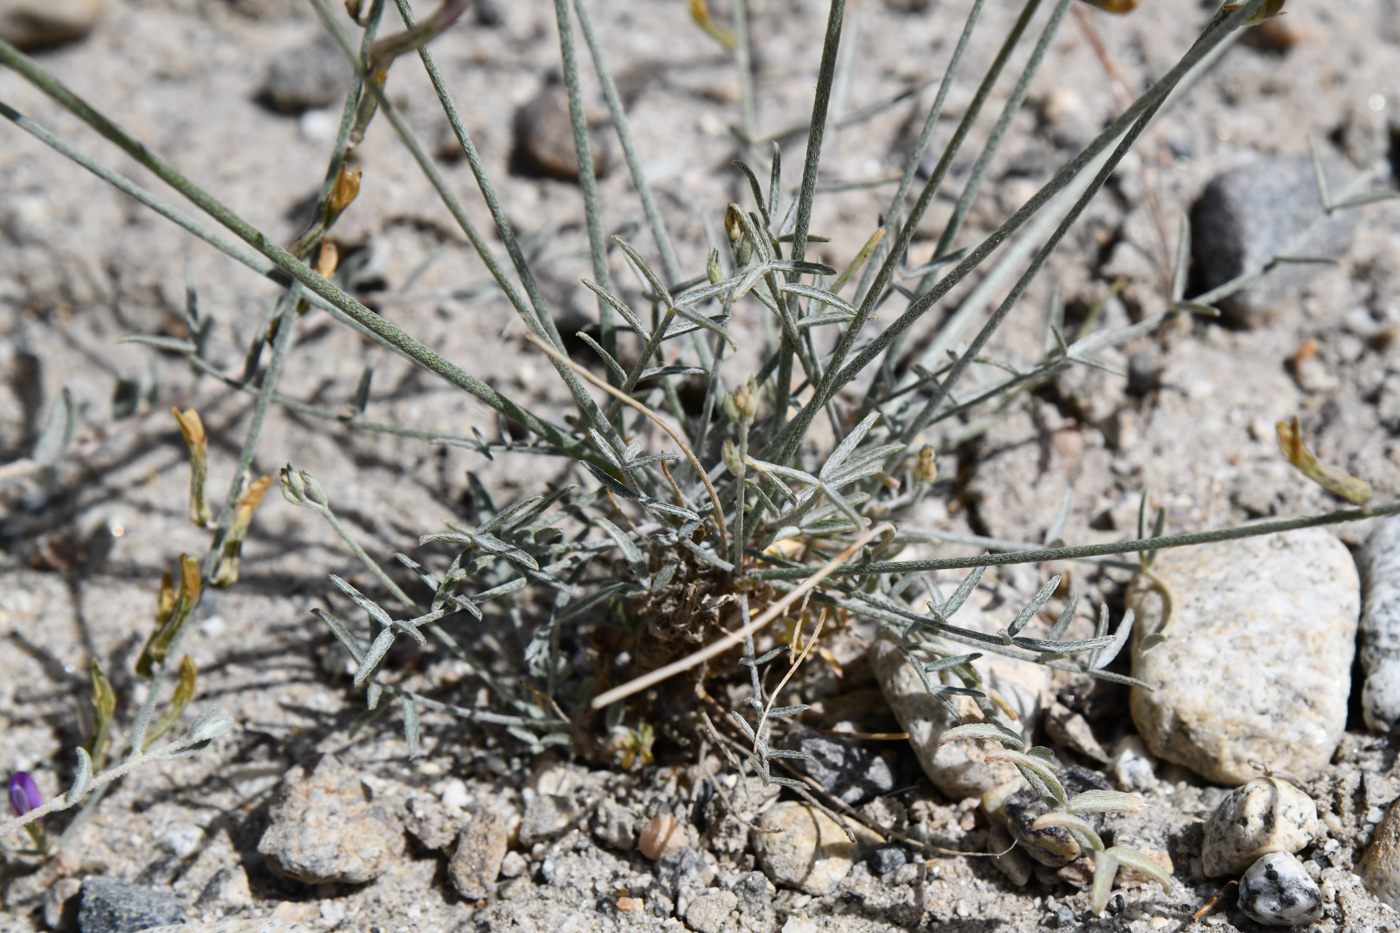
(1261, 816)
(1257, 665)
(234, 926)
(327, 826)
(1278, 892)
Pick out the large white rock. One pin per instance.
(1257, 664)
(959, 769)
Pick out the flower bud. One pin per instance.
(24, 793)
(925, 468)
(713, 270)
(741, 405)
(729, 453)
(293, 486)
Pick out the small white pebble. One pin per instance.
(319, 126)
(455, 794)
(213, 626)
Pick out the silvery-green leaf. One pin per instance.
(82, 781)
(1105, 801)
(817, 294)
(410, 725)
(984, 730)
(1120, 638)
(1034, 606)
(613, 486)
(377, 649)
(847, 446)
(58, 431)
(629, 550)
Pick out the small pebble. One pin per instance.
(110, 905)
(481, 848)
(311, 76)
(1263, 815)
(661, 835)
(1277, 891)
(544, 137)
(31, 24)
(615, 825)
(1380, 867)
(886, 858)
(707, 913)
(1070, 730)
(61, 904)
(1132, 767)
(514, 865)
(547, 817)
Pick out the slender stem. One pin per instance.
(743, 64)
(989, 150)
(363, 316)
(1216, 33)
(629, 150)
(587, 178)
(675, 435)
(1091, 550)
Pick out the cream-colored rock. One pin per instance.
(30, 24)
(801, 847)
(958, 769)
(1261, 816)
(1257, 662)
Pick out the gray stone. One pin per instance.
(327, 827)
(313, 76)
(707, 913)
(1010, 859)
(958, 769)
(480, 850)
(1248, 215)
(544, 137)
(615, 825)
(30, 24)
(547, 817)
(227, 889)
(110, 905)
(429, 821)
(850, 772)
(1379, 636)
(681, 873)
(799, 846)
(886, 858)
(1070, 730)
(1380, 867)
(1277, 891)
(1133, 768)
(1259, 817)
(1257, 662)
(1014, 807)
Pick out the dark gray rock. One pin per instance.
(1248, 215)
(110, 905)
(1380, 626)
(312, 76)
(852, 773)
(886, 858)
(1277, 891)
(1060, 918)
(1052, 846)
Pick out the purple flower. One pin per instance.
(24, 794)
